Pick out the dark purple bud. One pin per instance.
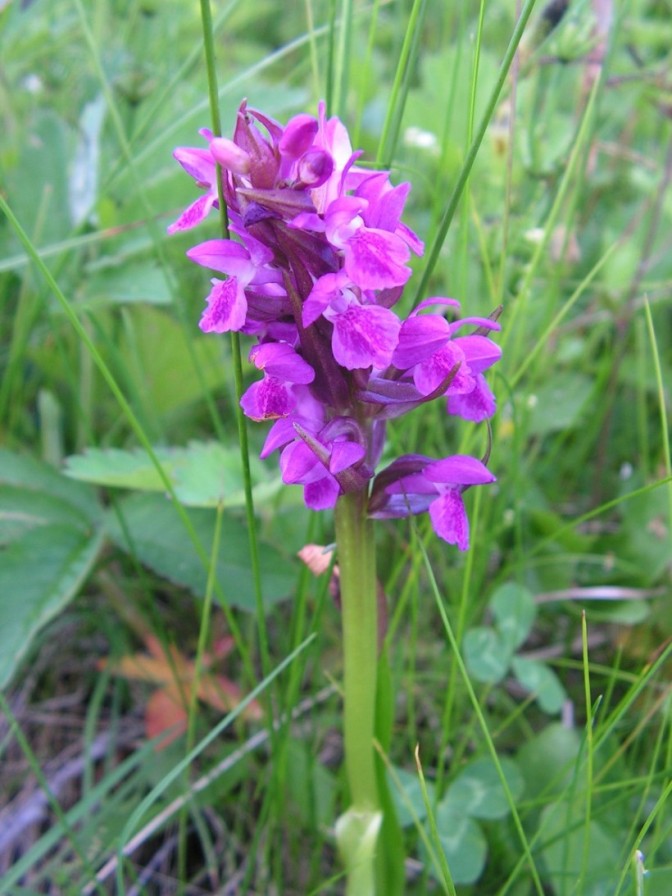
(315, 167)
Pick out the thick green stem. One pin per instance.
(357, 564)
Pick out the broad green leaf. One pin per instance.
(139, 281)
(478, 789)
(463, 843)
(169, 380)
(410, 802)
(562, 845)
(22, 509)
(560, 403)
(538, 679)
(159, 539)
(547, 760)
(117, 468)
(645, 537)
(208, 473)
(514, 611)
(486, 654)
(30, 475)
(38, 188)
(204, 474)
(40, 572)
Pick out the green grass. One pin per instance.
(532, 673)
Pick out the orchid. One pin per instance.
(318, 261)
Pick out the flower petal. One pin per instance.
(267, 399)
(227, 307)
(479, 351)
(375, 259)
(198, 163)
(364, 336)
(449, 518)
(226, 256)
(419, 338)
(322, 494)
(193, 215)
(459, 469)
(476, 406)
(280, 360)
(344, 454)
(430, 373)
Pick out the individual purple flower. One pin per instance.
(415, 483)
(227, 302)
(327, 463)
(429, 351)
(273, 396)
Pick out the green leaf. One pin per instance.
(40, 572)
(538, 679)
(159, 540)
(22, 509)
(204, 474)
(38, 188)
(478, 789)
(514, 610)
(139, 281)
(117, 468)
(645, 539)
(563, 835)
(29, 476)
(410, 802)
(486, 654)
(560, 404)
(547, 760)
(463, 844)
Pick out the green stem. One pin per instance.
(357, 563)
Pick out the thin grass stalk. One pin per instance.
(440, 856)
(34, 764)
(312, 45)
(339, 61)
(478, 712)
(194, 684)
(174, 774)
(464, 235)
(139, 187)
(589, 782)
(360, 99)
(453, 202)
(655, 814)
(209, 50)
(451, 693)
(578, 146)
(400, 86)
(662, 406)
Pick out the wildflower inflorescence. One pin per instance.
(320, 260)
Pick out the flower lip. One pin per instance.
(229, 155)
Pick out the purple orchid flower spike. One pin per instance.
(320, 256)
